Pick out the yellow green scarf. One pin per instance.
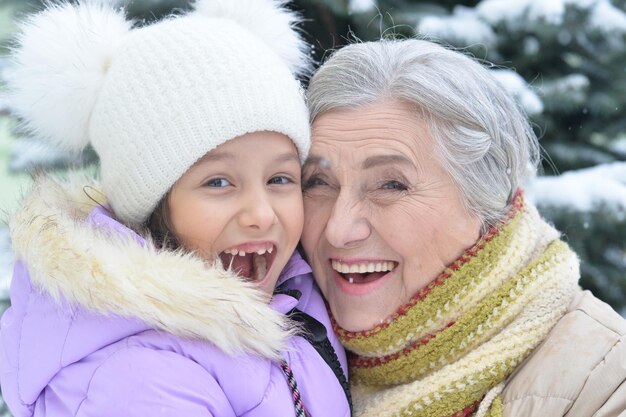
(448, 350)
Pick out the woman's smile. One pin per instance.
(360, 277)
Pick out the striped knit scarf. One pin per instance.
(448, 351)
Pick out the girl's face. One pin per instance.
(242, 202)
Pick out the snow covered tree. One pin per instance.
(569, 51)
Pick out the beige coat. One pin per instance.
(578, 371)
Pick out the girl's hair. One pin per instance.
(160, 228)
(483, 138)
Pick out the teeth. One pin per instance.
(362, 268)
(236, 252)
(339, 267)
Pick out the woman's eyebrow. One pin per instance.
(313, 160)
(377, 160)
(370, 162)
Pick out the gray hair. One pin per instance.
(484, 139)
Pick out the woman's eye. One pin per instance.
(313, 182)
(394, 185)
(280, 179)
(218, 183)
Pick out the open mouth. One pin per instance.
(251, 263)
(362, 272)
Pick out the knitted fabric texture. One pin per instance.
(153, 100)
(463, 334)
(170, 98)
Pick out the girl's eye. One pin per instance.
(280, 179)
(313, 182)
(394, 185)
(218, 183)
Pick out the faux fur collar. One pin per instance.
(108, 273)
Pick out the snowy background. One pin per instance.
(563, 60)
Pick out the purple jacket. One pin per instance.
(101, 323)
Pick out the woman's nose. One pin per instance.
(257, 211)
(347, 225)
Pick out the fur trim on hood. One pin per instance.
(111, 273)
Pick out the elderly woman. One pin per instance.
(452, 294)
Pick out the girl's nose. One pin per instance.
(257, 211)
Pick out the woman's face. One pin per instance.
(382, 216)
(242, 202)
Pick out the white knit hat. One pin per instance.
(154, 100)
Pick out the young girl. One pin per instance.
(145, 293)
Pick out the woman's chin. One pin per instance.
(358, 306)
(357, 321)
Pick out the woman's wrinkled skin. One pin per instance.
(377, 196)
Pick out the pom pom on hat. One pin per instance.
(271, 21)
(59, 64)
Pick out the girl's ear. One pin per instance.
(58, 65)
(271, 21)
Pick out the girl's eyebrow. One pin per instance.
(225, 156)
(287, 157)
(216, 156)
